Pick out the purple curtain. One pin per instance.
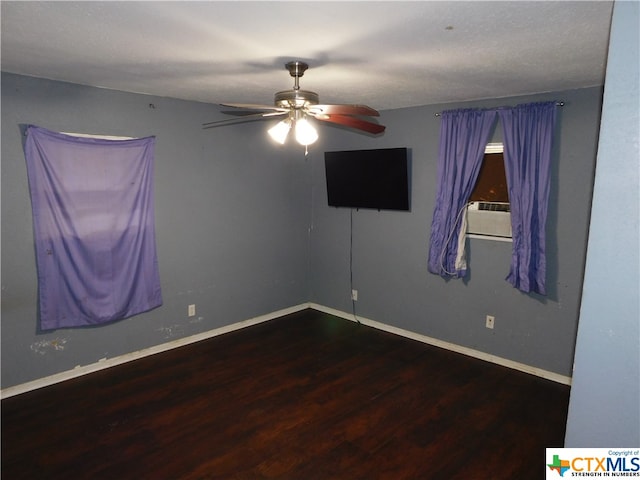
(528, 134)
(463, 137)
(93, 216)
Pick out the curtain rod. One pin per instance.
(559, 103)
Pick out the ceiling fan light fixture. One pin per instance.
(280, 131)
(306, 134)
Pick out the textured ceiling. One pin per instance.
(383, 54)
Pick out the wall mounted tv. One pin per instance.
(377, 179)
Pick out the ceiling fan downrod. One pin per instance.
(296, 70)
(296, 98)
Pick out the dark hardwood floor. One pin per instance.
(306, 396)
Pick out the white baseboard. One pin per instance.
(111, 362)
(128, 357)
(448, 346)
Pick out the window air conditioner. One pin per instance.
(489, 218)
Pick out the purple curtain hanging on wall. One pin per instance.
(528, 134)
(94, 227)
(463, 137)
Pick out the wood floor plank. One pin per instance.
(306, 396)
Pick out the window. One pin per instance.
(488, 214)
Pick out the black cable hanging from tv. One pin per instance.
(353, 300)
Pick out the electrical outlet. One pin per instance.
(354, 295)
(192, 310)
(490, 321)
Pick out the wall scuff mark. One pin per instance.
(44, 346)
(171, 331)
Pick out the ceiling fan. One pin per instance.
(297, 106)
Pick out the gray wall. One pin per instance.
(604, 409)
(231, 223)
(390, 248)
(243, 230)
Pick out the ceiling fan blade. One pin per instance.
(247, 118)
(353, 122)
(342, 110)
(247, 113)
(252, 106)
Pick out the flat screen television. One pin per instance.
(377, 179)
